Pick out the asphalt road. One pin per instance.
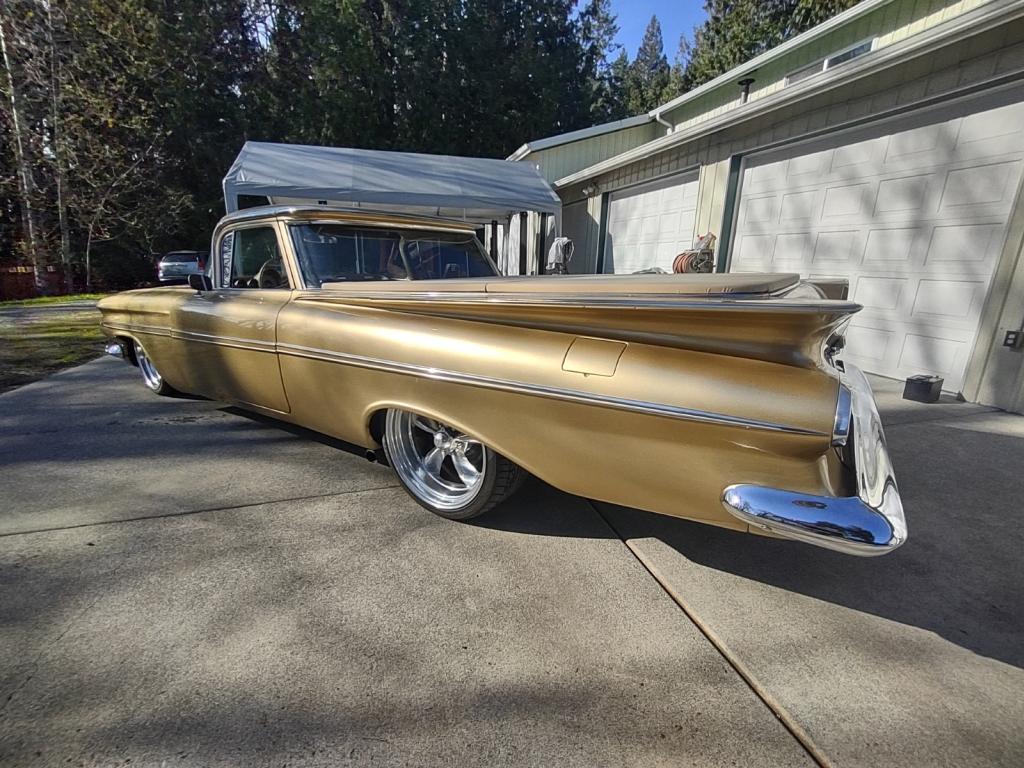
(183, 585)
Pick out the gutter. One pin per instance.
(973, 22)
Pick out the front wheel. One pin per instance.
(150, 375)
(444, 470)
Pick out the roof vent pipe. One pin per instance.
(744, 85)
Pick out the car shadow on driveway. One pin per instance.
(959, 575)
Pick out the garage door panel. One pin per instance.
(754, 253)
(845, 246)
(913, 212)
(812, 165)
(948, 299)
(964, 246)
(844, 200)
(793, 249)
(759, 209)
(797, 206)
(892, 248)
(998, 128)
(921, 143)
(903, 193)
(926, 353)
(881, 293)
(868, 346)
(979, 185)
(858, 155)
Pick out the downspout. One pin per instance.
(656, 114)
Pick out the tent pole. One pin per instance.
(541, 261)
(523, 266)
(494, 240)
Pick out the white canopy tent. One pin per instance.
(469, 188)
(473, 189)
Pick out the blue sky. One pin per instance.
(676, 17)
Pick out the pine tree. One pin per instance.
(647, 81)
(598, 30)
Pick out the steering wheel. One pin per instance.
(270, 275)
(422, 264)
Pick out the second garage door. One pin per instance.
(648, 225)
(913, 212)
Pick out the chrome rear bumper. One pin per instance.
(870, 523)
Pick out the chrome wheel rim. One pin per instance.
(443, 467)
(150, 374)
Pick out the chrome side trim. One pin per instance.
(152, 330)
(235, 342)
(540, 390)
(870, 523)
(733, 301)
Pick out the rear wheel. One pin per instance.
(150, 375)
(447, 471)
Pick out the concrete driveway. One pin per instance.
(183, 585)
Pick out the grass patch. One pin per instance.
(33, 346)
(43, 300)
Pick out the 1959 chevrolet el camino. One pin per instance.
(716, 398)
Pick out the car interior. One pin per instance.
(256, 260)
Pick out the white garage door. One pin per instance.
(913, 212)
(650, 224)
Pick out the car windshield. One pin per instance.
(330, 253)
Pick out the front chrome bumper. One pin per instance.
(870, 523)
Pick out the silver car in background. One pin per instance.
(176, 266)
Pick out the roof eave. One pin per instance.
(579, 135)
(520, 153)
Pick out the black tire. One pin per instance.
(439, 491)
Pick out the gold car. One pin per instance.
(716, 398)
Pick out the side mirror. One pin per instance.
(200, 282)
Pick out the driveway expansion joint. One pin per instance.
(788, 721)
(189, 512)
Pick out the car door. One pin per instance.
(230, 331)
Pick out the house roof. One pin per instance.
(584, 133)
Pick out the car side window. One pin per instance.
(250, 258)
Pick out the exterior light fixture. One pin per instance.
(744, 85)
